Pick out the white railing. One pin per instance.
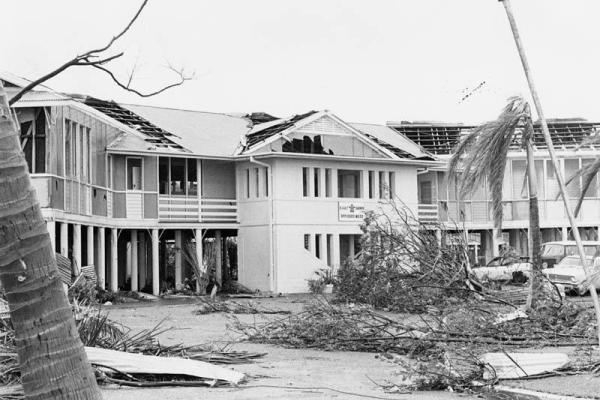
(219, 210)
(178, 208)
(428, 213)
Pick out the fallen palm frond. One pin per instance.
(436, 349)
(234, 307)
(98, 331)
(200, 267)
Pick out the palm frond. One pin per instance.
(588, 174)
(481, 155)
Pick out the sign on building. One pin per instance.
(351, 212)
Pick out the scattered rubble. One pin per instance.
(234, 307)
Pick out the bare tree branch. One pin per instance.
(94, 58)
(182, 79)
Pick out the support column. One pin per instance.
(335, 248)
(219, 253)
(114, 261)
(143, 260)
(199, 253)
(101, 262)
(51, 226)
(495, 243)
(334, 183)
(178, 254)
(323, 247)
(155, 274)
(128, 249)
(64, 239)
(90, 246)
(77, 249)
(351, 246)
(565, 233)
(134, 261)
(438, 237)
(376, 184)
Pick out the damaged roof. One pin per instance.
(261, 132)
(440, 138)
(390, 140)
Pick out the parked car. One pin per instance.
(554, 252)
(569, 273)
(502, 269)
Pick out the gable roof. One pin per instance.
(389, 139)
(261, 132)
(441, 138)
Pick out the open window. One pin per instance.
(349, 183)
(134, 173)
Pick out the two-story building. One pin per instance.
(439, 200)
(124, 187)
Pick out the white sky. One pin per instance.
(367, 61)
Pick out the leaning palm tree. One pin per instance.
(548, 139)
(481, 157)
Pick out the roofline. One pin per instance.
(402, 161)
(159, 153)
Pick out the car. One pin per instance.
(569, 273)
(554, 252)
(502, 269)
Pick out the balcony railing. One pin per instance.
(188, 209)
(428, 213)
(219, 210)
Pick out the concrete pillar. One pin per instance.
(134, 261)
(143, 260)
(101, 261)
(375, 184)
(219, 255)
(199, 250)
(90, 246)
(155, 274)
(64, 239)
(351, 245)
(323, 246)
(114, 261)
(178, 256)
(438, 237)
(565, 233)
(77, 249)
(385, 183)
(128, 260)
(51, 226)
(335, 248)
(495, 243)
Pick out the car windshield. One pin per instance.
(571, 250)
(553, 250)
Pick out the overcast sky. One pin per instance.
(367, 61)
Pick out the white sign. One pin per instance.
(353, 212)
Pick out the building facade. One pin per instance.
(126, 188)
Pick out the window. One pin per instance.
(425, 193)
(382, 194)
(391, 184)
(266, 181)
(257, 182)
(163, 175)
(328, 192)
(307, 242)
(519, 174)
(551, 182)
(192, 176)
(247, 182)
(85, 152)
(68, 155)
(318, 245)
(78, 155)
(317, 180)
(371, 184)
(178, 179)
(571, 167)
(134, 173)
(348, 183)
(305, 182)
(33, 142)
(592, 190)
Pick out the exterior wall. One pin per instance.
(218, 179)
(295, 215)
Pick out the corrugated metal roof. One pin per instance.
(203, 133)
(389, 139)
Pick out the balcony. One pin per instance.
(192, 209)
(428, 213)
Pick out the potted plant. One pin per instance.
(327, 278)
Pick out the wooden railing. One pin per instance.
(219, 210)
(428, 213)
(187, 209)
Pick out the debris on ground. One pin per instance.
(234, 307)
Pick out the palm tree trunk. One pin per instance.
(535, 284)
(52, 359)
(550, 145)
